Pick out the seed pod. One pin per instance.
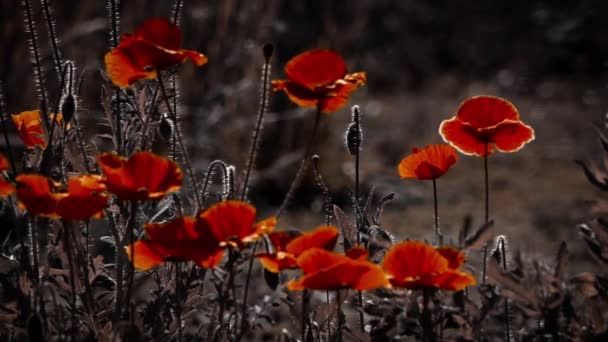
(68, 108)
(166, 128)
(268, 49)
(354, 135)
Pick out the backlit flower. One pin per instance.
(325, 270)
(6, 188)
(486, 121)
(415, 265)
(154, 45)
(428, 163)
(144, 176)
(288, 245)
(202, 239)
(319, 78)
(82, 199)
(29, 128)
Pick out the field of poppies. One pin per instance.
(114, 231)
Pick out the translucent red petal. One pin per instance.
(486, 111)
(463, 137)
(315, 68)
(428, 163)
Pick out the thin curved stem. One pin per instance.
(180, 140)
(258, 128)
(303, 165)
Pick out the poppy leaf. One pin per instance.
(384, 201)
(349, 230)
(511, 286)
(591, 176)
(368, 202)
(561, 260)
(478, 240)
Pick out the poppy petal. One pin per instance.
(161, 32)
(281, 239)
(34, 193)
(198, 58)
(316, 259)
(511, 136)
(411, 259)
(315, 68)
(298, 94)
(358, 253)
(322, 237)
(428, 163)
(6, 188)
(463, 137)
(362, 276)
(454, 257)
(4, 164)
(74, 207)
(145, 257)
(336, 95)
(229, 219)
(277, 262)
(123, 70)
(486, 111)
(453, 280)
(29, 128)
(178, 229)
(144, 176)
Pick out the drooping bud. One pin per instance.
(165, 127)
(68, 108)
(268, 50)
(354, 134)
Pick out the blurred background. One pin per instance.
(422, 58)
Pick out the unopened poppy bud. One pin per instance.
(68, 107)
(268, 50)
(354, 136)
(165, 127)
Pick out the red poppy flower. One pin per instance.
(29, 128)
(486, 120)
(413, 265)
(429, 163)
(288, 245)
(182, 239)
(83, 199)
(203, 239)
(325, 270)
(144, 176)
(6, 188)
(319, 76)
(154, 45)
(232, 223)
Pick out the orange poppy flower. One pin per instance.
(144, 176)
(289, 245)
(428, 163)
(413, 265)
(154, 45)
(486, 120)
(325, 270)
(29, 128)
(6, 188)
(203, 239)
(319, 76)
(83, 199)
